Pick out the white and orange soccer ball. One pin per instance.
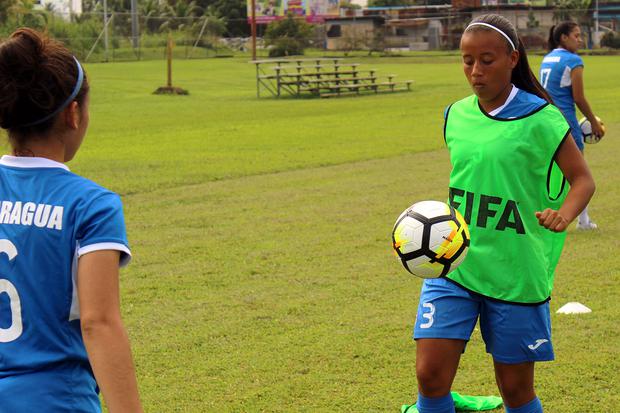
(430, 238)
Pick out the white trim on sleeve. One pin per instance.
(125, 258)
(567, 80)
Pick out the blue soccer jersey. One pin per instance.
(49, 217)
(519, 103)
(555, 76)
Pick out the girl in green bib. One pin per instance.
(519, 179)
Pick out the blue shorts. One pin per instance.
(67, 388)
(513, 333)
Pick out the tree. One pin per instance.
(214, 24)
(354, 38)
(571, 10)
(377, 42)
(209, 28)
(233, 11)
(23, 13)
(236, 14)
(611, 40)
(5, 6)
(151, 10)
(180, 15)
(287, 37)
(532, 22)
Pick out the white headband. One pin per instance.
(494, 28)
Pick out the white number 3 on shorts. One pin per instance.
(428, 316)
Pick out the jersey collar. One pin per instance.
(30, 162)
(511, 96)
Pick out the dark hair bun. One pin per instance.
(37, 74)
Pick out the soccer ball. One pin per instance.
(586, 130)
(430, 239)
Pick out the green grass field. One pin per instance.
(263, 278)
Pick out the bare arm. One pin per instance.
(579, 97)
(574, 167)
(104, 335)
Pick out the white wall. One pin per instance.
(65, 7)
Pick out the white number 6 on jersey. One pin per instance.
(16, 328)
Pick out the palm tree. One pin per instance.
(570, 10)
(151, 10)
(214, 24)
(5, 6)
(180, 15)
(22, 13)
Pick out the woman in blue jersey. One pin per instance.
(561, 74)
(504, 141)
(62, 239)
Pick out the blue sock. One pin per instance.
(533, 406)
(443, 404)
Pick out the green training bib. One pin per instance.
(503, 171)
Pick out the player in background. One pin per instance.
(504, 142)
(561, 74)
(62, 240)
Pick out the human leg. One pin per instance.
(517, 336)
(584, 222)
(443, 404)
(533, 406)
(436, 363)
(446, 317)
(516, 385)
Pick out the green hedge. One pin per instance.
(611, 39)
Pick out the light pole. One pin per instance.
(135, 34)
(597, 42)
(253, 29)
(105, 28)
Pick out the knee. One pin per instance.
(433, 380)
(516, 395)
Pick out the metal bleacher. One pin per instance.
(320, 77)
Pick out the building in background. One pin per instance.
(64, 8)
(396, 28)
(439, 24)
(314, 11)
(432, 24)
(353, 33)
(609, 15)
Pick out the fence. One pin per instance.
(94, 38)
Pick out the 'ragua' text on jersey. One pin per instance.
(489, 207)
(29, 213)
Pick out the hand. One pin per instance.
(597, 129)
(552, 220)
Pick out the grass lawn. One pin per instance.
(263, 278)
